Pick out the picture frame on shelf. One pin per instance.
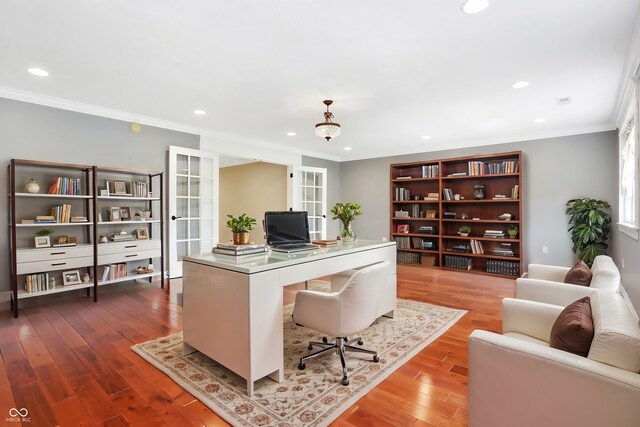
(71, 277)
(63, 240)
(431, 214)
(72, 240)
(104, 193)
(42, 241)
(119, 187)
(403, 228)
(125, 213)
(142, 233)
(114, 213)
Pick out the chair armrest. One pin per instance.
(317, 310)
(549, 292)
(555, 273)
(519, 383)
(531, 318)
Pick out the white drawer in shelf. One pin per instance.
(53, 265)
(48, 254)
(132, 245)
(128, 256)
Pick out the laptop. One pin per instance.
(288, 231)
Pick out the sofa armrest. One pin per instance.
(549, 292)
(555, 273)
(530, 318)
(519, 383)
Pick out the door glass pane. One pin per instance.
(181, 229)
(194, 191)
(207, 167)
(318, 179)
(194, 232)
(182, 164)
(206, 208)
(206, 187)
(318, 196)
(194, 247)
(309, 179)
(206, 228)
(195, 166)
(194, 212)
(181, 249)
(181, 207)
(181, 186)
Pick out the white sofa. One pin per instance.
(516, 379)
(545, 283)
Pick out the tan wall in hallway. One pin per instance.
(252, 189)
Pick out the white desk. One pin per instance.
(232, 309)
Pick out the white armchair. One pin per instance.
(342, 313)
(545, 283)
(516, 379)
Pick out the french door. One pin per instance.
(193, 204)
(308, 192)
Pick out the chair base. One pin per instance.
(340, 346)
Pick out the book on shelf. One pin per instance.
(430, 171)
(458, 262)
(28, 221)
(121, 237)
(61, 213)
(37, 282)
(78, 219)
(458, 174)
(507, 268)
(404, 177)
(401, 194)
(504, 167)
(403, 242)
(515, 192)
(105, 273)
(65, 186)
(139, 189)
(325, 242)
(476, 246)
(447, 194)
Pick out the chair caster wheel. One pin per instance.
(376, 359)
(360, 342)
(310, 347)
(345, 381)
(301, 366)
(325, 340)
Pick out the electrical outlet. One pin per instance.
(545, 249)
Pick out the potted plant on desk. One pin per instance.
(240, 227)
(346, 213)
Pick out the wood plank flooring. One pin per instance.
(68, 361)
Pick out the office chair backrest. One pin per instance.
(360, 297)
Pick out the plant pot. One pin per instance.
(513, 235)
(463, 234)
(241, 238)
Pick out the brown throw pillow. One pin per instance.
(580, 274)
(573, 329)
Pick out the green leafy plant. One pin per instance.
(241, 224)
(44, 232)
(589, 224)
(513, 229)
(465, 229)
(346, 213)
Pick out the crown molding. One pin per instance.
(630, 71)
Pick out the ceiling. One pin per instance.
(396, 70)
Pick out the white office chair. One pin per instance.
(339, 314)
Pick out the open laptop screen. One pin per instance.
(286, 228)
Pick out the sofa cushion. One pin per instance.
(605, 274)
(573, 329)
(616, 339)
(580, 274)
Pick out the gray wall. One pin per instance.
(34, 132)
(555, 170)
(334, 181)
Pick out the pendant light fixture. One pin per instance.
(328, 129)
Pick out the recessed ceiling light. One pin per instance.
(199, 112)
(426, 136)
(291, 134)
(520, 85)
(38, 72)
(540, 120)
(474, 6)
(347, 148)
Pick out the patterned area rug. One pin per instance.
(315, 396)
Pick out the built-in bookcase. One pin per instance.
(431, 200)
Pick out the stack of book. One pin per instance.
(494, 234)
(433, 197)
(459, 262)
(121, 237)
(503, 267)
(505, 249)
(45, 219)
(325, 243)
(239, 250)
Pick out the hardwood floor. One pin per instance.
(70, 364)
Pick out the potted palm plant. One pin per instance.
(589, 224)
(240, 227)
(346, 213)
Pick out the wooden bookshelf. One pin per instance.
(500, 174)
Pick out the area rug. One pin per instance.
(314, 396)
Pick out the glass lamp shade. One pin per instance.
(328, 130)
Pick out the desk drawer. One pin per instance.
(51, 265)
(315, 269)
(128, 256)
(49, 254)
(130, 246)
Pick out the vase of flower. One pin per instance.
(346, 213)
